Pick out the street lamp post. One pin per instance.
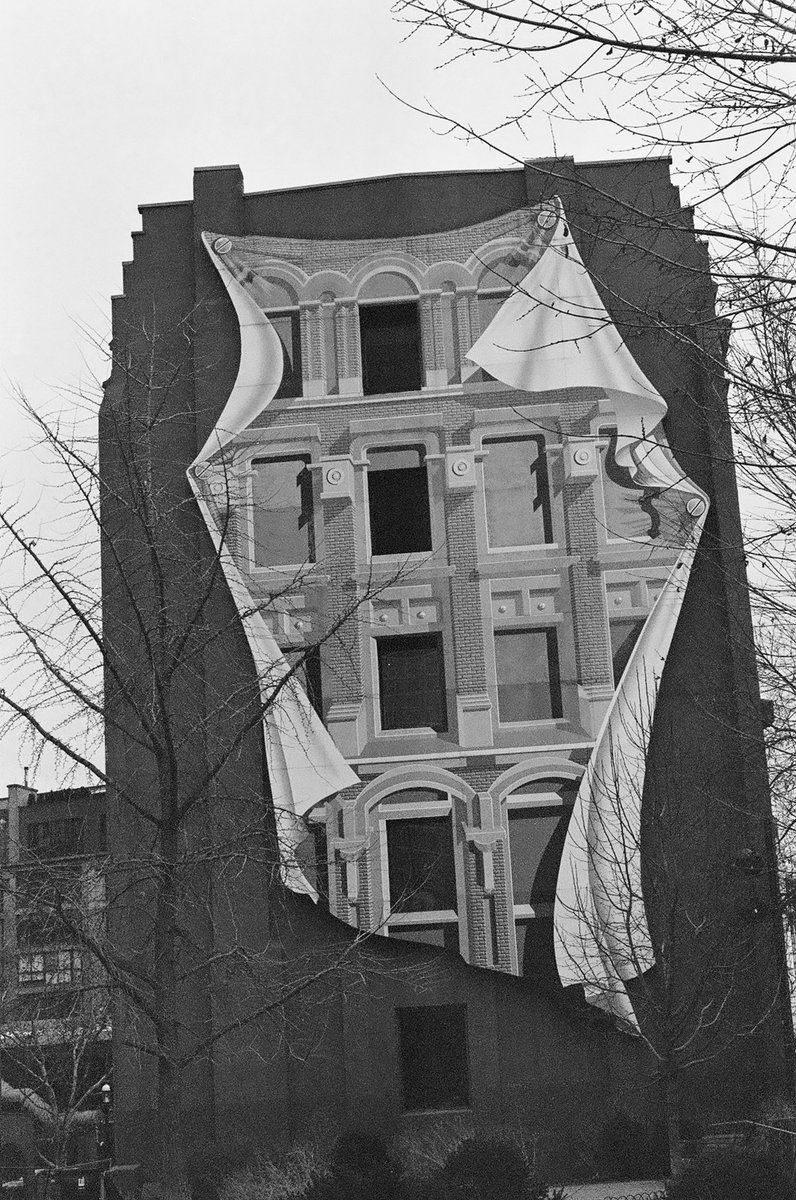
(105, 1146)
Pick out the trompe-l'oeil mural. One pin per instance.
(551, 335)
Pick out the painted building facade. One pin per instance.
(449, 576)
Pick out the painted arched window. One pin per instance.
(389, 330)
(280, 304)
(420, 874)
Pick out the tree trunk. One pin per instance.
(671, 1095)
(171, 1156)
(169, 1132)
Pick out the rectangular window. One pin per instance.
(398, 505)
(624, 635)
(38, 927)
(443, 935)
(421, 865)
(517, 492)
(412, 682)
(536, 841)
(50, 967)
(528, 677)
(308, 673)
(391, 353)
(536, 954)
(629, 513)
(282, 512)
(433, 1050)
(312, 859)
(489, 305)
(55, 838)
(288, 329)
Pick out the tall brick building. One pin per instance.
(499, 552)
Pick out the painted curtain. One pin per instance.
(554, 332)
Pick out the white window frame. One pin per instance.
(502, 435)
(414, 730)
(411, 811)
(523, 625)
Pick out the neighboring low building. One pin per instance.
(55, 1026)
(361, 434)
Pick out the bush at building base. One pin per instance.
(486, 1168)
(734, 1173)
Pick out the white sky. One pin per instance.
(107, 105)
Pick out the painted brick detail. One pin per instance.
(468, 636)
(503, 923)
(341, 652)
(480, 936)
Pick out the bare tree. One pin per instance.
(682, 939)
(196, 902)
(54, 1066)
(714, 78)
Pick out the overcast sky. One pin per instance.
(108, 105)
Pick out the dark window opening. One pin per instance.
(288, 329)
(517, 492)
(433, 1049)
(421, 865)
(312, 858)
(398, 505)
(536, 842)
(40, 927)
(624, 635)
(308, 673)
(57, 837)
(528, 675)
(489, 305)
(391, 353)
(536, 956)
(282, 517)
(412, 682)
(444, 935)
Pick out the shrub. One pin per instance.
(627, 1148)
(286, 1177)
(487, 1168)
(733, 1174)
(361, 1168)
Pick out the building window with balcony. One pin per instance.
(517, 492)
(282, 512)
(434, 1057)
(392, 359)
(528, 675)
(398, 502)
(412, 692)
